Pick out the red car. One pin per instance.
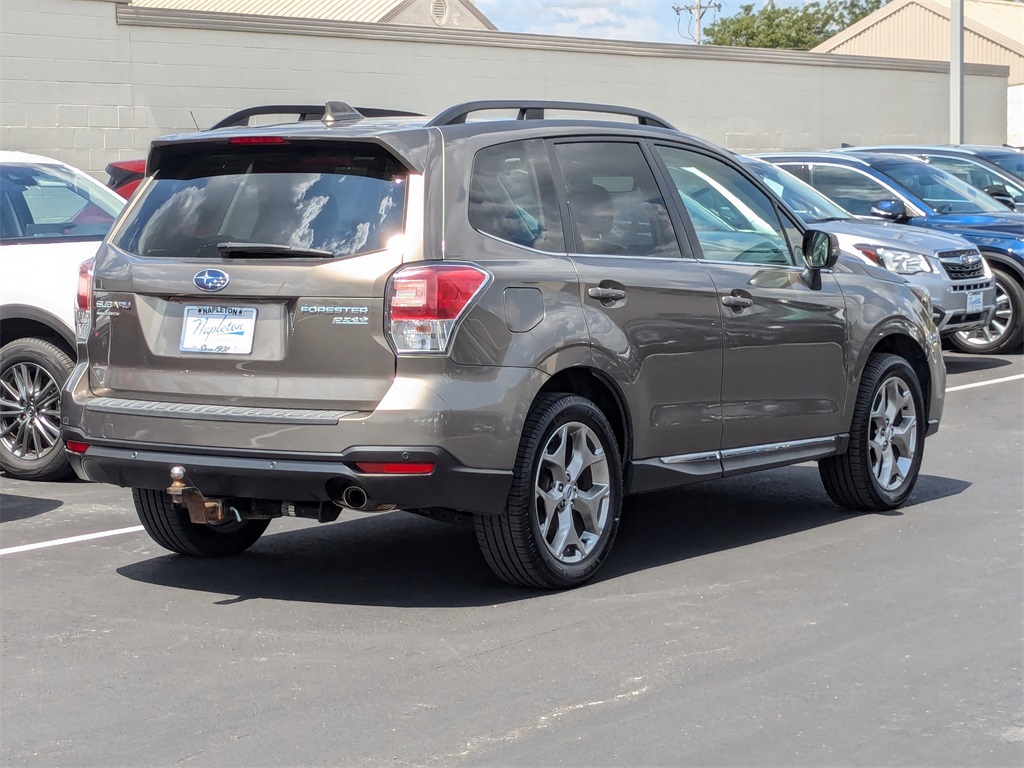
(125, 176)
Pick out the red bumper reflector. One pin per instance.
(395, 468)
(76, 447)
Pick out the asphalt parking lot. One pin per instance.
(739, 622)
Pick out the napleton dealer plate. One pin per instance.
(218, 330)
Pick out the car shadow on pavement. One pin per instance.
(969, 363)
(401, 560)
(21, 507)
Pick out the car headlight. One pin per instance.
(895, 260)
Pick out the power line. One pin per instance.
(697, 10)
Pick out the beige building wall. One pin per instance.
(914, 31)
(91, 81)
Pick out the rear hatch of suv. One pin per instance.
(251, 271)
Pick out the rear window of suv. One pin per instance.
(348, 199)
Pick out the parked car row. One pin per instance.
(905, 189)
(516, 322)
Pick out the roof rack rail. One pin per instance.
(338, 109)
(534, 110)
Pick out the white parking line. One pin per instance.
(69, 540)
(985, 383)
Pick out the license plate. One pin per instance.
(974, 302)
(218, 330)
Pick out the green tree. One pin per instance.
(797, 28)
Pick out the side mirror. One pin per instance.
(821, 251)
(1002, 194)
(894, 210)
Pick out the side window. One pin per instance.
(614, 202)
(975, 175)
(849, 188)
(733, 219)
(50, 202)
(512, 196)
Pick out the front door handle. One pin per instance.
(607, 294)
(737, 302)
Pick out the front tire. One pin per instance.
(1005, 331)
(32, 374)
(169, 526)
(563, 509)
(881, 465)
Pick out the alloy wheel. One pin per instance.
(892, 440)
(29, 411)
(573, 492)
(997, 327)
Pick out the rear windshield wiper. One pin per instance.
(271, 249)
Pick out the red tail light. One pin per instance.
(85, 271)
(83, 302)
(395, 467)
(74, 447)
(425, 302)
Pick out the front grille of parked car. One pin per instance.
(958, 271)
(960, 287)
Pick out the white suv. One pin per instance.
(52, 219)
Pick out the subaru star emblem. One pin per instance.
(970, 259)
(211, 279)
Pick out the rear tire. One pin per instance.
(563, 509)
(32, 374)
(169, 526)
(881, 465)
(1005, 332)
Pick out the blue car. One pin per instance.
(910, 191)
(998, 171)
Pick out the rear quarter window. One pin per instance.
(512, 197)
(348, 199)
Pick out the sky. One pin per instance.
(647, 20)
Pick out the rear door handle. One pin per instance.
(737, 302)
(607, 294)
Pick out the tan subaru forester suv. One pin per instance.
(516, 321)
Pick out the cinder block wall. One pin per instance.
(91, 81)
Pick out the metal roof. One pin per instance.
(364, 11)
(1000, 21)
(335, 10)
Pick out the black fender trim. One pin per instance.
(24, 312)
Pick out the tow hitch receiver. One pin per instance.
(201, 510)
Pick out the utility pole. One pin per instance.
(956, 72)
(698, 9)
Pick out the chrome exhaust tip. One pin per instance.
(354, 497)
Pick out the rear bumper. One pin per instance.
(297, 478)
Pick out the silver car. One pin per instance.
(950, 268)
